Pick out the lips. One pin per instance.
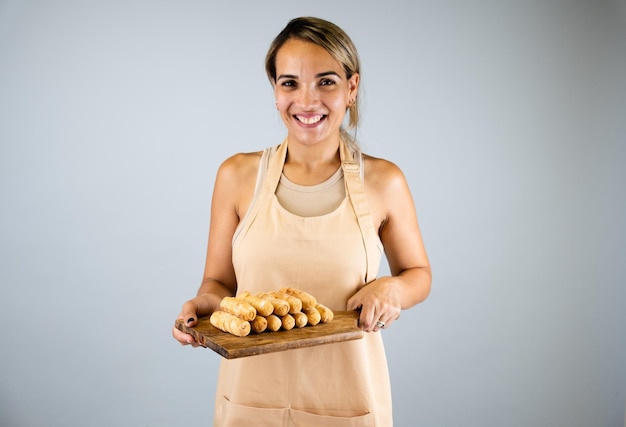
(310, 119)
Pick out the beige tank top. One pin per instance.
(311, 200)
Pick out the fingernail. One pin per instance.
(190, 320)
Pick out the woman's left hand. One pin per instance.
(379, 302)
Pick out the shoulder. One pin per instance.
(235, 182)
(389, 196)
(240, 166)
(387, 191)
(382, 175)
(241, 161)
(236, 175)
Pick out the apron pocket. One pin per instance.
(229, 414)
(308, 419)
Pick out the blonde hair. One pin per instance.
(336, 42)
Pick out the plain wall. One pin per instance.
(507, 118)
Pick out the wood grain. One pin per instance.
(344, 327)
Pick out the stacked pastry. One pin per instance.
(284, 309)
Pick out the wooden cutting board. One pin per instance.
(344, 327)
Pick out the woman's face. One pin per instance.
(312, 92)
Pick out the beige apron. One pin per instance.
(331, 256)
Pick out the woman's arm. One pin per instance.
(392, 206)
(233, 190)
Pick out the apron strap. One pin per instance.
(356, 192)
(278, 154)
(270, 169)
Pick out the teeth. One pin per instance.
(310, 120)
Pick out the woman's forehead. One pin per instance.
(297, 56)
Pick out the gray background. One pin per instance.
(506, 116)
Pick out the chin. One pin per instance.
(308, 141)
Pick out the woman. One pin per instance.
(312, 213)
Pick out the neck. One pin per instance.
(311, 164)
(313, 156)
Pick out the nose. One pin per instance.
(308, 97)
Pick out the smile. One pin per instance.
(310, 120)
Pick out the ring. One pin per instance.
(380, 324)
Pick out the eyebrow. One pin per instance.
(318, 75)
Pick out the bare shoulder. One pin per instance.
(387, 191)
(240, 166)
(382, 175)
(236, 180)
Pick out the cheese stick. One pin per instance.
(326, 313)
(259, 324)
(314, 317)
(301, 319)
(230, 323)
(308, 300)
(263, 306)
(295, 304)
(281, 307)
(273, 323)
(238, 307)
(288, 322)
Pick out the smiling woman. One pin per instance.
(312, 91)
(319, 213)
(334, 42)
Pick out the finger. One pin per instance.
(388, 317)
(380, 321)
(189, 314)
(183, 338)
(367, 319)
(190, 318)
(353, 304)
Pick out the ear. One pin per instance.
(353, 85)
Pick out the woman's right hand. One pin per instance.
(189, 315)
(202, 305)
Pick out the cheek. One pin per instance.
(337, 104)
(336, 99)
(282, 104)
